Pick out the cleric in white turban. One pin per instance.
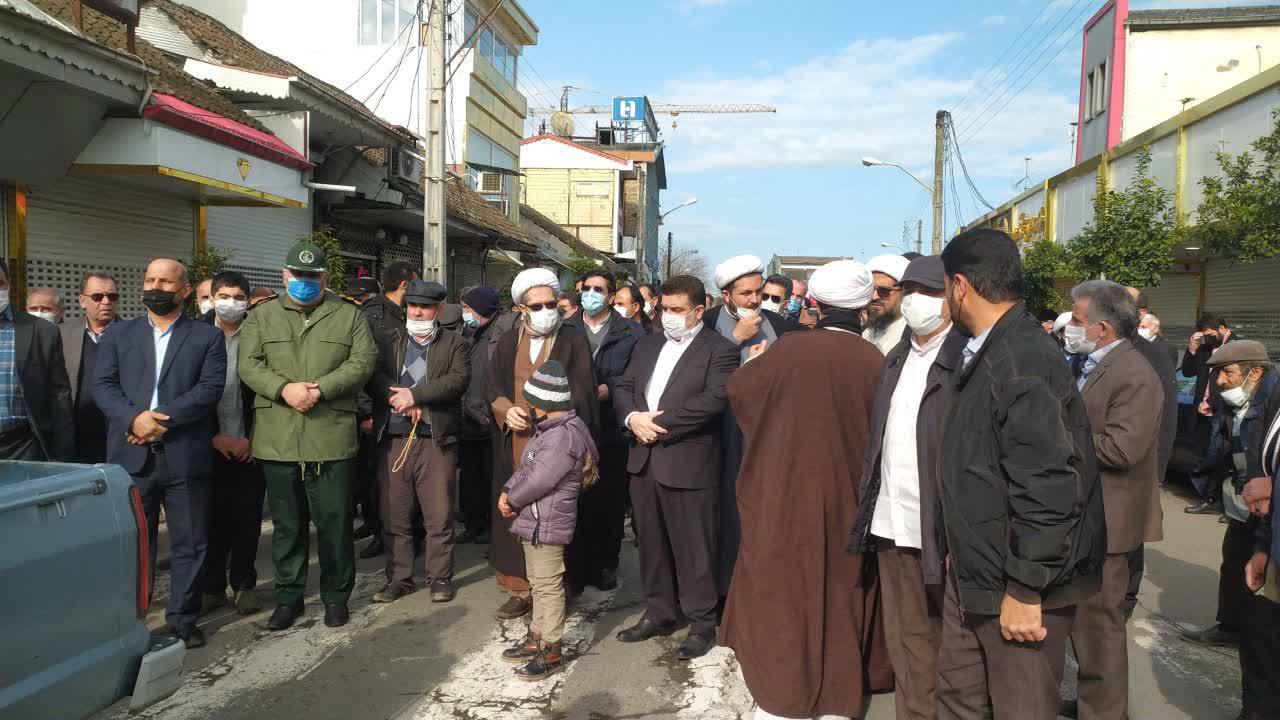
(843, 284)
(738, 266)
(885, 324)
(532, 278)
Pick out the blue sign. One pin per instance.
(628, 109)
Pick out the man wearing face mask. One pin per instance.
(629, 303)
(592, 557)
(540, 336)
(885, 324)
(158, 379)
(1124, 400)
(45, 304)
(421, 375)
(204, 298)
(671, 399)
(480, 310)
(776, 296)
(1211, 334)
(898, 500)
(235, 523)
(35, 394)
(801, 621)
(306, 355)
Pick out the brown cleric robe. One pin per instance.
(801, 616)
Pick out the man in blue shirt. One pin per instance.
(35, 395)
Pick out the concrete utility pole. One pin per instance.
(667, 276)
(939, 128)
(433, 211)
(920, 236)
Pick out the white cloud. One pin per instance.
(688, 6)
(993, 21)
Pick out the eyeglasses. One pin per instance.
(885, 292)
(538, 307)
(98, 297)
(597, 288)
(775, 298)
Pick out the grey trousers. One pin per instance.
(913, 631)
(425, 484)
(1101, 645)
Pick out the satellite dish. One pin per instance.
(562, 124)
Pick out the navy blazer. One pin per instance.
(192, 376)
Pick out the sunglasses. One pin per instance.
(885, 292)
(598, 288)
(98, 297)
(538, 307)
(776, 298)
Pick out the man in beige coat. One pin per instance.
(1124, 399)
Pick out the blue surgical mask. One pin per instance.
(304, 291)
(793, 306)
(470, 320)
(592, 301)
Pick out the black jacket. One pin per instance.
(42, 372)
(1021, 496)
(1197, 366)
(439, 393)
(609, 363)
(477, 417)
(1253, 429)
(934, 405)
(1158, 357)
(383, 314)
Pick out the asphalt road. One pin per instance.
(418, 660)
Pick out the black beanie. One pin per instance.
(548, 388)
(482, 299)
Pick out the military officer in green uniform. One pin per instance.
(306, 355)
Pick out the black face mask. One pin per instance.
(1212, 342)
(160, 302)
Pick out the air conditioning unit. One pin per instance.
(404, 167)
(490, 183)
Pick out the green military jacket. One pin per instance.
(332, 348)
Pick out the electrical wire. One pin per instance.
(390, 45)
(973, 188)
(971, 94)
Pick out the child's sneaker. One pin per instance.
(526, 650)
(548, 662)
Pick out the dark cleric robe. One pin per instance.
(802, 613)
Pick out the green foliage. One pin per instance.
(1130, 240)
(581, 263)
(1044, 263)
(328, 242)
(203, 265)
(1239, 217)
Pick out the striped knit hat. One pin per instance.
(548, 387)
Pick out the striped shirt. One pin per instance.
(13, 405)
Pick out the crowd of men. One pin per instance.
(890, 477)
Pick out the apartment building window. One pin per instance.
(504, 56)
(1095, 91)
(383, 22)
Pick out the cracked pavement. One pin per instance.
(418, 660)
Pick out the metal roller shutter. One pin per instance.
(1174, 302)
(1245, 296)
(258, 238)
(466, 267)
(76, 225)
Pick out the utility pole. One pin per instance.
(667, 276)
(939, 128)
(919, 235)
(433, 210)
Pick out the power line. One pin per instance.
(390, 45)
(1002, 55)
(951, 127)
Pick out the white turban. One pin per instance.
(532, 278)
(841, 283)
(736, 267)
(1061, 322)
(892, 265)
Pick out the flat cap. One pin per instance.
(1239, 351)
(424, 292)
(363, 286)
(925, 270)
(306, 257)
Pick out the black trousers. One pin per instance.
(1137, 565)
(1234, 597)
(678, 530)
(475, 492)
(20, 444)
(235, 526)
(366, 483)
(186, 511)
(1260, 658)
(602, 513)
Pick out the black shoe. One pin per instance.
(482, 537)
(362, 532)
(523, 651)
(373, 549)
(191, 636)
(514, 607)
(390, 593)
(645, 630)
(1070, 709)
(695, 646)
(442, 590)
(284, 616)
(549, 661)
(1204, 508)
(608, 580)
(1215, 635)
(336, 615)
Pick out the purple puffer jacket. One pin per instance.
(544, 491)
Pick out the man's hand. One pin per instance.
(644, 428)
(1205, 409)
(807, 318)
(602, 392)
(401, 399)
(1255, 571)
(301, 396)
(517, 418)
(1194, 344)
(1020, 622)
(147, 428)
(757, 350)
(504, 507)
(232, 448)
(1257, 496)
(747, 328)
(366, 425)
(414, 414)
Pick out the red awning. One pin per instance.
(198, 121)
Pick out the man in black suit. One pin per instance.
(671, 399)
(100, 300)
(158, 381)
(35, 395)
(1212, 332)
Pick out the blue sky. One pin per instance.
(850, 78)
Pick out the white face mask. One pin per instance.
(677, 327)
(771, 306)
(1146, 334)
(543, 322)
(1236, 396)
(648, 308)
(923, 313)
(230, 310)
(622, 310)
(46, 316)
(4, 299)
(205, 306)
(745, 313)
(420, 328)
(1075, 340)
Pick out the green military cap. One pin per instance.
(306, 257)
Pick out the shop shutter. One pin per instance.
(258, 239)
(1244, 295)
(1174, 302)
(466, 268)
(77, 224)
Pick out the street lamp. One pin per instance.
(684, 204)
(893, 246)
(872, 162)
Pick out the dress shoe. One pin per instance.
(191, 636)
(1070, 709)
(523, 651)
(695, 646)
(336, 615)
(645, 630)
(373, 549)
(514, 607)
(391, 593)
(1204, 508)
(362, 532)
(284, 616)
(247, 602)
(608, 580)
(442, 590)
(212, 601)
(1214, 635)
(549, 661)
